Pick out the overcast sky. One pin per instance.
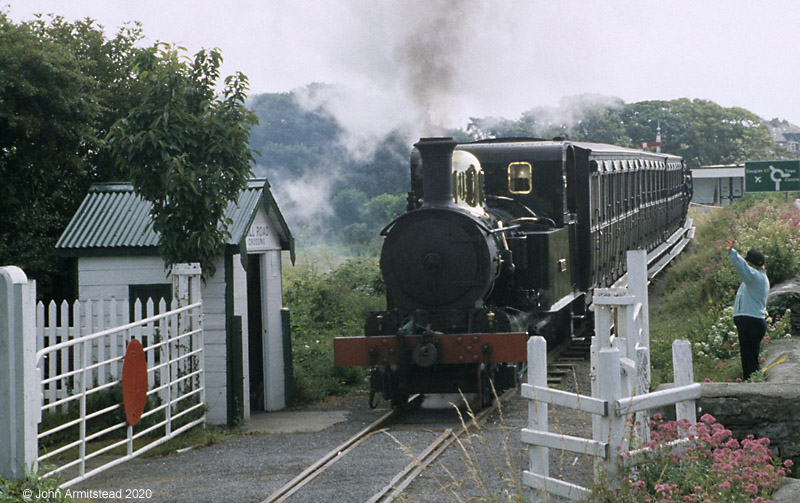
(492, 58)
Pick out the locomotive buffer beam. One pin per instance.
(450, 348)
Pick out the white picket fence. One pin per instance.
(621, 370)
(57, 324)
(81, 360)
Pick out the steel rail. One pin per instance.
(320, 465)
(403, 479)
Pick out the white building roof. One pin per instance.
(726, 171)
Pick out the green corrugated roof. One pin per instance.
(113, 217)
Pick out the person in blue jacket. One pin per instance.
(750, 307)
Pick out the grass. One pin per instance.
(691, 298)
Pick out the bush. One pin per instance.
(325, 305)
(711, 467)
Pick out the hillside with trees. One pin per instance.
(303, 156)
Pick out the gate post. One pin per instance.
(185, 284)
(19, 385)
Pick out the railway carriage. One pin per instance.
(504, 239)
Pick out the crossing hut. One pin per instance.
(247, 356)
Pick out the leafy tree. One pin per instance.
(700, 131)
(386, 172)
(348, 206)
(61, 86)
(292, 141)
(385, 207)
(187, 151)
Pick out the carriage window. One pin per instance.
(519, 178)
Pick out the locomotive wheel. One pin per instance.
(486, 389)
(400, 401)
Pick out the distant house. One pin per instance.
(717, 185)
(785, 134)
(112, 238)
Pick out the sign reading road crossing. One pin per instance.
(771, 176)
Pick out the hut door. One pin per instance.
(255, 332)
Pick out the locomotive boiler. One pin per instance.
(504, 239)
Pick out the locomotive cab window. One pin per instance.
(519, 178)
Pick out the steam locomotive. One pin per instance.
(504, 239)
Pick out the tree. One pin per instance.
(187, 151)
(292, 140)
(61, 86)
(700, 131)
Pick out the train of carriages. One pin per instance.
(504, 239)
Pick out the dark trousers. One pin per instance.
(751, 331)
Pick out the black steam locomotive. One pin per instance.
(504, 239)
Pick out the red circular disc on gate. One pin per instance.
(134, 382)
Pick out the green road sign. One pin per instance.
(771, 176)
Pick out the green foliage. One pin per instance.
(292, 141)
(62, 85)
(720, 341)
(699, 288)
(29, 489)
(325, 305)
(186, 149)
(361, 219)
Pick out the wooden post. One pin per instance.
(601, 341)
(613, 426)
(637, 286)
(539, 457)
(683, 375)
(19, 379)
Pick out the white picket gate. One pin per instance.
(621, 370)
(80, 369)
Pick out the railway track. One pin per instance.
(562, 363)
(394, 485)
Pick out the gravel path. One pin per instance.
(248, 468)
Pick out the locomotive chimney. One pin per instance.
(437, 170)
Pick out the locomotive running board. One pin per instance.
(452, 348)
(662, 255)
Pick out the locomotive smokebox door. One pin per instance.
(438, 256)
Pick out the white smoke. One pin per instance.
(572, 110)
(405, 66)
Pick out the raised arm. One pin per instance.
(745, 271)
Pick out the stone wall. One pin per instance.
(770, 409)
(787, 294)
(761, 409)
